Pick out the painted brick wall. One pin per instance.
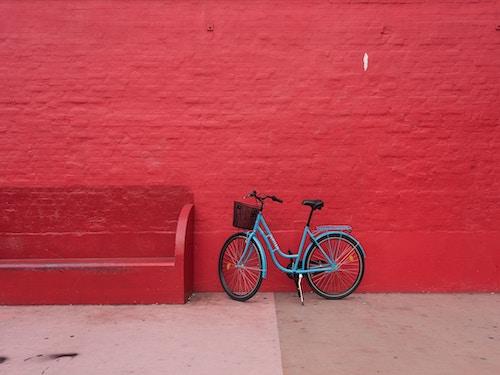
(274, 98)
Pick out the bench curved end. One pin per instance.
(184, 247)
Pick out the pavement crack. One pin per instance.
(62, 355)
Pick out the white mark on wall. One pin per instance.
(365, 62)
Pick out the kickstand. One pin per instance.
(299, 289)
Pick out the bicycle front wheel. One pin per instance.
(240, 278)
(345, 279)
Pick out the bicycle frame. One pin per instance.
(261, 228)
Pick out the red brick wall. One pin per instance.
(274, 98)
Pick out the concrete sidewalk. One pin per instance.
(391, 334)
(270, 334)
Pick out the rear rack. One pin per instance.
(337, 228)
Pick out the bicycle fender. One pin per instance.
(342, 234)
(260, 248)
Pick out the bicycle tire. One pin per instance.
(247, 278)
(342, 282)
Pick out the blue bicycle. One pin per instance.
(333, 261)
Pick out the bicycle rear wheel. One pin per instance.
(240, 282)
(350, 266)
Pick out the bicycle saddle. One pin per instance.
(315, 204)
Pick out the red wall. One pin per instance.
(274, 98)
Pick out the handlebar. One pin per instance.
(276, 199)
(262, 198)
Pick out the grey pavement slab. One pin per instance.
(209, 335)
(390, 334)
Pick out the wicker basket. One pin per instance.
(244, 215)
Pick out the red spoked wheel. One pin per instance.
(240, 278)
(349, 271)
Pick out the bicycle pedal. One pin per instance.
(289, 274)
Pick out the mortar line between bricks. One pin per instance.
(358, 231)
(80, 233)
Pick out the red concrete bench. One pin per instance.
(102, 245)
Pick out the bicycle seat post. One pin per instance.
(310, 216)
(315, 204)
